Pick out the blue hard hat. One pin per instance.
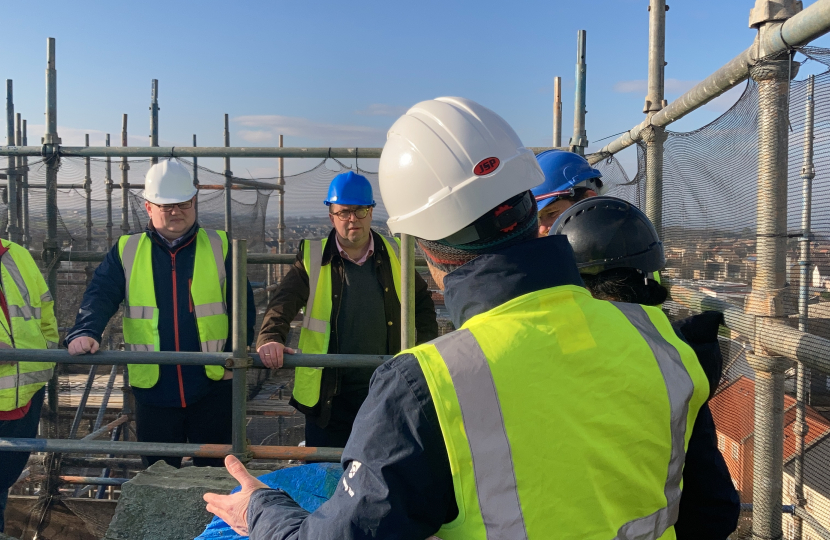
(563, 171)
(349, 188)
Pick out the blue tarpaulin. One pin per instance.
(309, 485)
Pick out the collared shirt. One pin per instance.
(171, 243)
(369, 251)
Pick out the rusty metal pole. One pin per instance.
(18, 140)
(228, 185)
(125, 182)
(767, 300)
(557, 112)
(653, 136)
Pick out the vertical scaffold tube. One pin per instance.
(27, 235)
(18, 140)
(11, 185)
(557, 112)
(655, 137)
(108, 191)
(808, 173)
(88, 199)
(240, 349)
(281, 222)
(154, 116)
(228, 176)
(125, 182)
(196, 180)
(579, 141)
(407, 291)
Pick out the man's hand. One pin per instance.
(271, 354)
(6, 346)
(233, 509)
(83, 345)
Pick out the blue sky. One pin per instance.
(338, 74)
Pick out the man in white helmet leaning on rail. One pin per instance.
(169, 306)
(547, 414)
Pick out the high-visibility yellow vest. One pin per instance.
(316, 330)
(564, 417)
(33, 326)
(141, 314)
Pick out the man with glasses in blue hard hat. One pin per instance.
(349, 284)
(569, 178)
(169, 306)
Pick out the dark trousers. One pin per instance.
(13, 463)
(208, 421)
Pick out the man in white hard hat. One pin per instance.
(168, 306)
(547, 414)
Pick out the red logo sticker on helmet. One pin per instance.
(486, 166)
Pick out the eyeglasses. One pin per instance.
(359, 213)
(167, 208)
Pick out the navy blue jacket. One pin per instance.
(177, 386)
(403, 488)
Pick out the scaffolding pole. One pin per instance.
(241, 360)
(11, 189)
(407, 291)
(656, 136)
(108, 189)
(228, 184)
(579, 141)
(281, 198)
(18, 137)
(154, 117)
(196, 180)
(27, 235)
(125, 182)
(800, 428)
(88, 197)
(557, 112)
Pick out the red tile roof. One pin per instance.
(733, 409)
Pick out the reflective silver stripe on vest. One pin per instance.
(680, 389)
(394, 246)
(218, 256)
(33, 377)
(141, 347)
(216, 345)
(498, 495)
(46, 297)
(206, 310)
(140, 312)
(316, 262)
(128, 260)
(25, 311)
(52, 345)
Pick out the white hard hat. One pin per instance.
(447, 162)
(168, 182)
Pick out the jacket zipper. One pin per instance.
(176, 320)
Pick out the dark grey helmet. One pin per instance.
(607, 232)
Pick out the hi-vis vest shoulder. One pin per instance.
(141, 314)
(33, 326)
(316, 330)
(564, 417)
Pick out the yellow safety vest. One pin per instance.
(316, 330)
(564, 417)
(33, 326)
(141, 314)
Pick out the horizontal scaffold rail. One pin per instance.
(189, 358)
(202, 152)
(811, 23)
(117, 448)
(253, 258)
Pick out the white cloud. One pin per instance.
(672, 86)
(292, 126)
(256, 136)
(382, 109)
